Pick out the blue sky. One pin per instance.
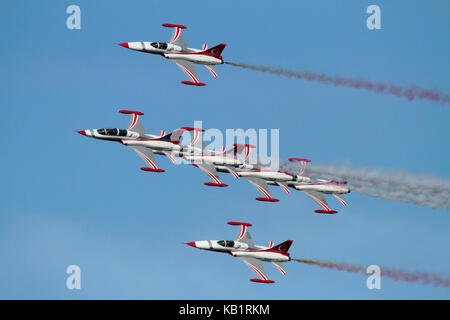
(70, 200)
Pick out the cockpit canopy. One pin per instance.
(112, 132)
(226, 243)
(159, 45)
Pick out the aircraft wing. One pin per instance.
(177, 35)
(210, 170)
(170, 156)
(148, 156)
(320, 199)
(257, 267)
(284, 186)
(262, 187)
(212, 70)
(340, 199)
(189, 69)
(231, 170)
(243, 234)
(135, 123)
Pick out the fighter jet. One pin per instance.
(261, 177)
(315, 189)
(178, 51)
(251, 254)
(225, 161)
(146, 145)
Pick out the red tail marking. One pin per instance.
(283, 247)
(215, 51)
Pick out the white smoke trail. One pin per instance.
(424, 189)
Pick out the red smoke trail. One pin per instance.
(412, 92)
(397, 275)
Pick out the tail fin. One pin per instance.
(175, 136)
(215, 51)
(283, 247)
(303, 163)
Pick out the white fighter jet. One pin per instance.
(251, 254)
(146, 145)
(316, 189)
(225, 161)
(185, 57)
(261, 177)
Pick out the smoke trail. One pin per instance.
(425, 190)
(397, 275)
(412, 92)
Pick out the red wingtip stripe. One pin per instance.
(170, 25)
(212, 184)
(152, 170)
(234, 223)
(198, 84)
(299, 159)
(326, 211)
(131, 112)
(262, 281)
(267, 199)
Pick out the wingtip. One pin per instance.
(262, 281)
(190, 83)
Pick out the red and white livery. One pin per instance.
(261, 178)
(251, 254)
(211, 162)
(185, 57)
(146, 145)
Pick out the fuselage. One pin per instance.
(295, 181)
(330, 188)
(240, 249)
(131, 138)
(171, 51)
(214, 160)
(267, 175)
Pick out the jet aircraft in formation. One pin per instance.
(185, 57)
(251, 254)
(233, 161)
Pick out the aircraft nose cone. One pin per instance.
(192, 244)
(83, 132)
(125, 45)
